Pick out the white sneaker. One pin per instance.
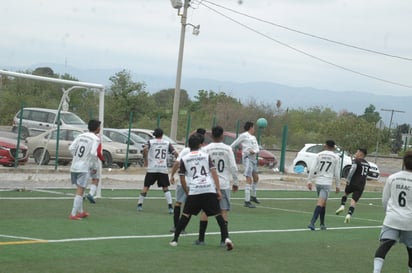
(229, 244)
(347, 219)
(173, 243)
(340, 209)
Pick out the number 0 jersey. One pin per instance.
(196, 166)
(84, 150)
(397, 201)
(224, 160)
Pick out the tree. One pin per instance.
(125, 96)
(371, 115)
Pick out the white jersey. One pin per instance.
(224, 160)
(158, 151)
(182, 153)
(84, 150)
(397, 201)
(248, 142)
(326, 168)
(196, 167)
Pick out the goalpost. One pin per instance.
(73, 84)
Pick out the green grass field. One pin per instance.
(36, 236)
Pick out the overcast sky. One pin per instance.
(143, 36)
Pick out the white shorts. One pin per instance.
(180, 194)
(403, 236)
(80, 179)
(250, 164)
(323, 191)
(225, 201)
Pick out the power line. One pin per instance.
(311, 35)
(304, 52)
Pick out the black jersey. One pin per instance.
(358, 172)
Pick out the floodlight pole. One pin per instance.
(176, 99)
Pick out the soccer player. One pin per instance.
(224, 160)
(201, 183)
(355, 183)
(180, 193)
(250, 149)
(85, 151)
(155, 159)
(326, 167)
(397, 224)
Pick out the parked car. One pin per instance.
(265, 158)
(306, 156)
(8, 151)
(148, 134)
(113, 152)
(122, 136)
(38, 120)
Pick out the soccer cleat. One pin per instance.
(254, 199)
(199, 243)
(82, 214)
(75, 217)
(139, 207)
(340, 209)
(170, 210)
(90, 198)
(347, 219)
(311, 226)
(323, 227)
(229, 244)
(249, 205)
(173, 243)
(172, 230)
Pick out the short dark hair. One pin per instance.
(330, 143)
(407, 160)
(195, 141)
(217, 132)
(248, 125)
(93, 125)
(201, 131)
(158, 132)
(364, 151)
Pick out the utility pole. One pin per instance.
(392, 111)
(176, 99)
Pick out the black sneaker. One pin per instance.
(249, 205)
(254, 199)
(91, 198)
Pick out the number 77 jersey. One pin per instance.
(326, 168)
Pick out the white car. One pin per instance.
(307, 155)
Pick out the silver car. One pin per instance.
(113, 152)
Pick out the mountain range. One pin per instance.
(266, 92)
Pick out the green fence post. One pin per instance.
(126, 163)
(283, 149)
(188, 127)
(56, 162)
(16, 156)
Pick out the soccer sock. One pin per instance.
(176, 215)
(77, 202)
(168, 196)
(184, 220)
(202, 230)
(351, 210)
(223, 227)
(247, 193)
(377, 265)
(93, 188)
(343, 200)
(253, 191)
(322, 215)
(315, 214)
(141, 198)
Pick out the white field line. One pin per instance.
(31, 240)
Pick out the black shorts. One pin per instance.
(161, 178)
(207, 202)
(356, 191)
